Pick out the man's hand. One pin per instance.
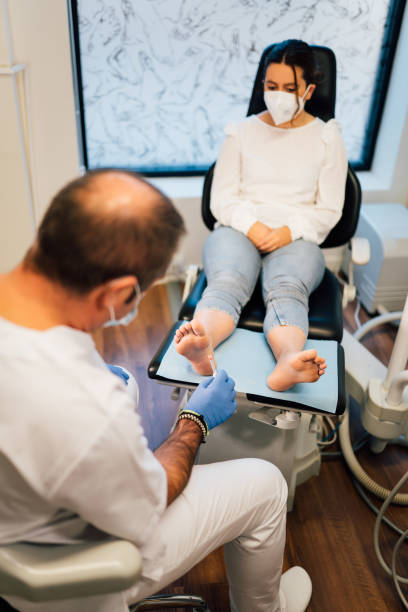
(214, 399)
(267, 240)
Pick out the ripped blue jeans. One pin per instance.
(289, 275)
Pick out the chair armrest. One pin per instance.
(192, 274)
(360, 250)
(187, 308)
(358, 254)
(39, 572)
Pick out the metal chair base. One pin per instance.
(197, 604)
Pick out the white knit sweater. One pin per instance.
(294, 177)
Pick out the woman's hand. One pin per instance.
(276, 239)
(266, 239)
(258, 233)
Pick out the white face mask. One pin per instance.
(283, 106)
(128, 318)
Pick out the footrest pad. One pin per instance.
(248, 359)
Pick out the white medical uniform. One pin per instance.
(74, 465)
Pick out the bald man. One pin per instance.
(74, 460)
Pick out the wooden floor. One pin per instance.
(330, 529)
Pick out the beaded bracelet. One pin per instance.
(196, 418)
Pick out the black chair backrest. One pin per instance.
(322, 104)
(206, 213)
(347, 224)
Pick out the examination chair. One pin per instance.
(294, 448)
(46, 572)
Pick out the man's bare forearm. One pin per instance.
(177, 455)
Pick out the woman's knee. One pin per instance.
(227, 249)
(226, 239)
(305, 248)
(287, 303)
(232, 282)
(282, 287)
(299, 259)
(227, 293)
(311, 263)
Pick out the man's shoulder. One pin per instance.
(54, 399)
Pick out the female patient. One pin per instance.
(278, 189)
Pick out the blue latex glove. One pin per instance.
(119, 372)
(214, 399)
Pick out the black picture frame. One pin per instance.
(389, 44)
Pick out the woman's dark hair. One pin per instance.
(293, 53)
(81, 248)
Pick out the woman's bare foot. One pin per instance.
(292, 368)
(193, 343)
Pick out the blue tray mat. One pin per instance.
(247, 358)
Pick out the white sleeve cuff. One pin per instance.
(242, 220)
(294, 230)
(302, 228)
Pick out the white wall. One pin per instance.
(40, 39)
(16, 218)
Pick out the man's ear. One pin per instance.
(113, 293)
